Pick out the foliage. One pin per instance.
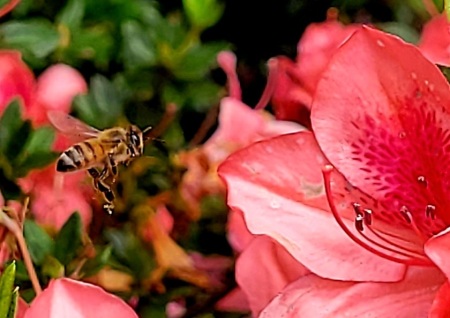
(148, 63)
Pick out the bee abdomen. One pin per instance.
(70, 160)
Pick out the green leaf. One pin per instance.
(14, 303)
(138, 49)
(203, 13)
(94, 44)
(38, 37)
(72, 14)
(39, 243)
(203, 95)
(130, 252)
(69, 239)
(6, 289)
(102, 107)
(10, 124)
(406, 32)
(51, 267)
(93, 266)
(198, 61)
(37, 151)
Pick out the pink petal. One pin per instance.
(253, 126)
(234, 301)
(318, 44)
(386, 129)
(52, 208)
(263, 270)
(435, 41)
(70, 298)
(312, 296)
(440, 308)
(277, 184)
(437, 249)
(290, 99)
(16, 80)
(237, 232)
(22, 308)
(56, 88)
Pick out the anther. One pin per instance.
(357, 209)
(422, 180)
(406, 214)
(430, 211)
(368, 216)
(359, 223)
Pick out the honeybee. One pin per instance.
(98, 151)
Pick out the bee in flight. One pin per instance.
(98, 151)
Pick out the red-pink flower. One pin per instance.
(16, 80)
(55, 90)
(70, 298)
(373, 230)
(55, 196)
(435, 40)
(293, 83)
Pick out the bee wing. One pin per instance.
(71, 126)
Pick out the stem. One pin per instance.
(8, 7)
(431, 7)
(16, 230)
(206, 125)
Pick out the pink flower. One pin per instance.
(16, 80)
(55, 90)
(293, 83)
(70, 298)
(55, 196)
(372, 231)
(201, 177)
(435, 40)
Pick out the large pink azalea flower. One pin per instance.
(70, 298)
(373, 230)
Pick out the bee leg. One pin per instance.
(103, 187)
(111, 165)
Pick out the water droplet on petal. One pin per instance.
(380, 43)
(402, 135)
(431, 87)
(274, 204)
(413, 76)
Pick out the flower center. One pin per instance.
(391, 245)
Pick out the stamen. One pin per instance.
(430, 211)
(359, 223)
(368, 216)
(415, 258)
(272, 77)
(227, 61)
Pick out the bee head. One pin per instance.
(136, 142)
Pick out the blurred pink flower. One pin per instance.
(201, 177)
(55, 90)
(70, 298)
(55, 196)
(376, 230)
(16, 80)
(291, 85)
(435, 40)
(163, 218)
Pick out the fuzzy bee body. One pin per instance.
(100, 152)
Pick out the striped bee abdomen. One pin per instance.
(70, 160)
